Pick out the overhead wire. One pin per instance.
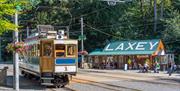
(124, 22)
(77, 17)
(116, 24)
(86, 14)
(101, 31)
(140, 25)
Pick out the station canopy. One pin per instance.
(132, 47)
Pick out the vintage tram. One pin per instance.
(51, 58)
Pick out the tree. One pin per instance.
(104, 23)
(6, 11)
(171, 34)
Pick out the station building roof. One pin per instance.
(132, 47)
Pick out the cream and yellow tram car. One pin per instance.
(52, 60)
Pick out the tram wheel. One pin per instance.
(57, 86)
(29, 76)
(25, 75)
(62, 86)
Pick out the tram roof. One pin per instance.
(56, 41)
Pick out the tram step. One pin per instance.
(50, 78)
(46, 80)
(47, 84)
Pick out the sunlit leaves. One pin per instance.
(6, 25)
(6, 9)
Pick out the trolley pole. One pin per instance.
(16, 56)
(27, 31)
(82, 43)
(67, 28)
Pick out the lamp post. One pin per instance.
(15, 54)
(0, 50)
(82, 44)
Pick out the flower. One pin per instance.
(83, 52)
(16, 47)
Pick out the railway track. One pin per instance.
(50, 88)
(130, 79)
(65, 88)
(96, 84)
(103, 85)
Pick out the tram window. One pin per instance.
(60, 50)
(71, 50)
(30, 50)
(33, 50)
(47, 49)
(38, 52)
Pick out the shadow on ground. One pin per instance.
(173, 80)
(25, 83)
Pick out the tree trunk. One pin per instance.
(162, 8)
(143, 17)
(155, 15)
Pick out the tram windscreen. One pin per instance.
(71, 50)
(68, 50)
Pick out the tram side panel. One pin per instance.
(66, 65)
(29, 62)
(30, 66)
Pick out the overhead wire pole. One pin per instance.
(27, 31)
(67, 28)
(16, 56)
(155, 15)
(82, 43)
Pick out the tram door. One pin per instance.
(47, 56)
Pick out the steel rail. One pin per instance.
(135, 80)
(102, 85)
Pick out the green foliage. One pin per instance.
(104, 23)
(171, 33)
(172, 30)
(5, 10)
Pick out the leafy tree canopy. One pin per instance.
(6, 9)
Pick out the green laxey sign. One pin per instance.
(82, 37)
(133, 47)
